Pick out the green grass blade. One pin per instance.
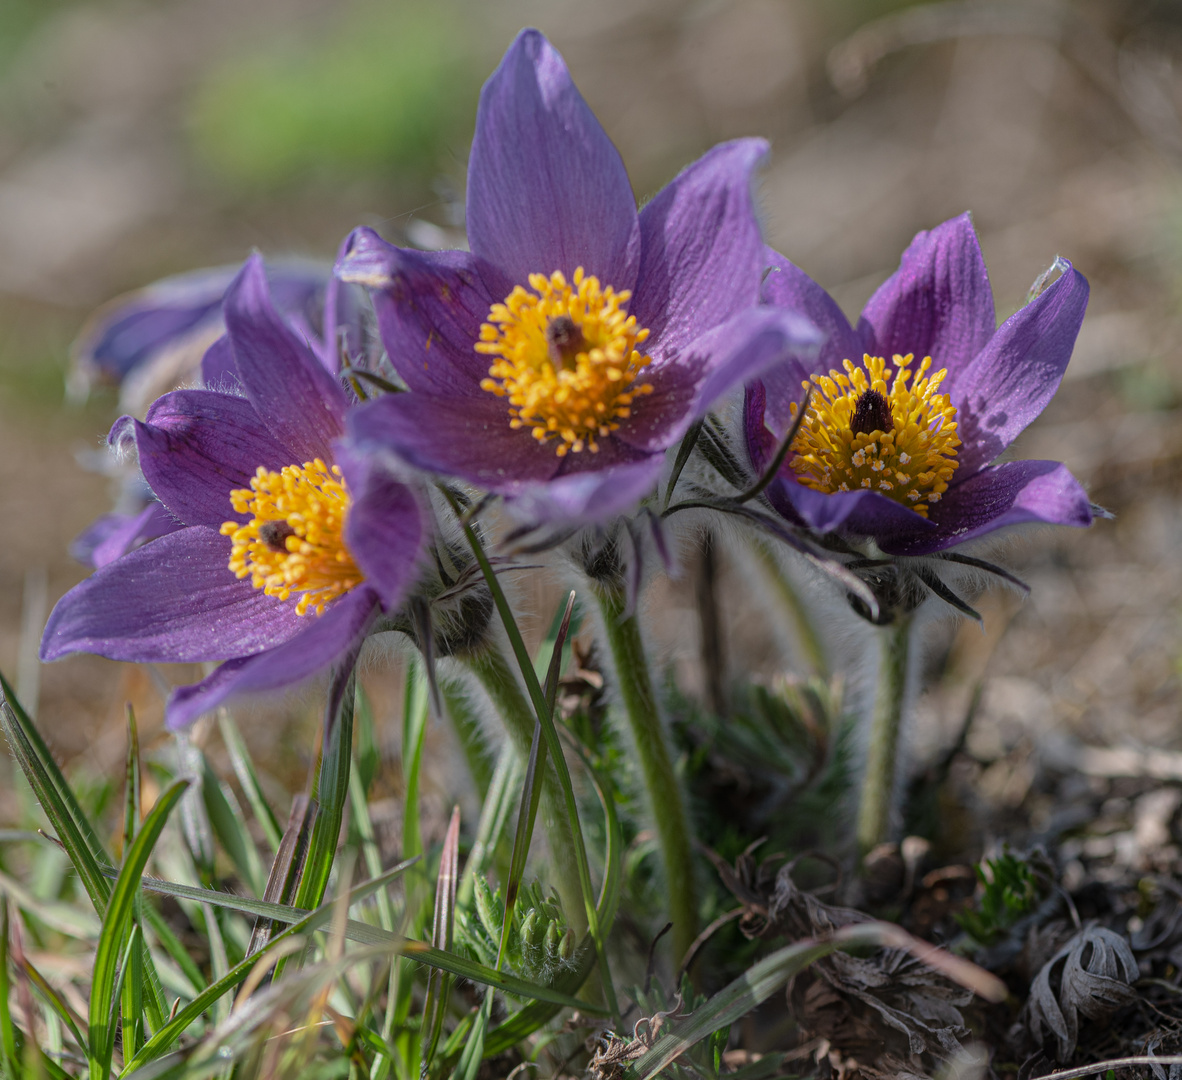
(366, 934)
(442, 930)
(526, 1021)
(163, 1039)
(535, 774)
(362, 822)
(131, 794)
(55, 1001)
(133, 999)
(751, 988)
(229, 826)
(116, 923)
(73, 828)
(553, 745)
(7, 1029)
(332, 790)
(473, 1054)
(494, 813)
(244, 769)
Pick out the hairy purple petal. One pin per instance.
(547, 190)
(171, 600)
(468, 437)
(384, 527)
(197, 446)
(701, 253)
(587, 497)
(939, 302)
(430, 306)
(1015, 493)
(300, 403)
(1018, 372)
(323, 640)
(716, 363)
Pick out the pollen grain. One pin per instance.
(566, 358)
(294, 540)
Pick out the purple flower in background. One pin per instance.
(288, 549)
(578, 340)
(898, 438)
(154, 339)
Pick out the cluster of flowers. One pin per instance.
(555, 364)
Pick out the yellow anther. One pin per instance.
(567, 359)
(294, 540)
(859, 430)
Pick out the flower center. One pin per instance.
(566, 359)
(293, 542)
(859, 432)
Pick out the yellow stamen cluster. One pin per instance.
(860, 432)
(294, 542)
(566, 359)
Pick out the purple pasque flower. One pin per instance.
(557, 360)
(290, 548)
(920, 398)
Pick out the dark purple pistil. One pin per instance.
(565, 341)
(871, 413)
(275, 533)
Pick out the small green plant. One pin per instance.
(1011, 888)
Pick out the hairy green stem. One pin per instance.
(878, 787)
(665, 802)
(493, 673)
(807, 637)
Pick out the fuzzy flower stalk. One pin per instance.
(895, 457)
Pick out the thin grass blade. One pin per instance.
(287, 866)
(442, 930)
(74, 831)
(473, 1054)
(116, 924)
(133, 996)
(7, 1028)
(494, 813)
(332, 788)
(247, 777)
(535, 775)
(131, 794)
(229, 826)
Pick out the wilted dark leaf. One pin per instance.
(1089, 977)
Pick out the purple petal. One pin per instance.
(1002, 495)
(865, 513)
(720, 360)
(171, 600)
(701, 254)
(547, 190)
(467, 438)
(133, 329)
(322, 641)
(430, 306)
(384, 527)
(1018, 372)
(587, 497)
(938, 303)
(114, 535)
(218, 370)
(301, 404)
(787, 286)
(197, 446)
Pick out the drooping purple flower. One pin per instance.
(154, 339)
(290, 548)
(909, 409)
(578, 340)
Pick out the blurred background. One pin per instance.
(140, 138)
